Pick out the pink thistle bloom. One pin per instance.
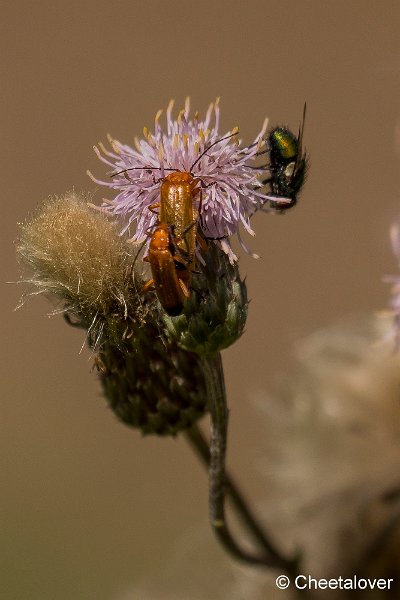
(230, 186)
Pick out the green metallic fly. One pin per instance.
(287, 167)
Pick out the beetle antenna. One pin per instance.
(210, 146)
(140, 169)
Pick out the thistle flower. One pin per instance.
(230, 187)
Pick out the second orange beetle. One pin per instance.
(170, 274)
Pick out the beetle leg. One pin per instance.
(184, 288)
(201, 200)
(180, 260)
(153, 206)
(148, 285)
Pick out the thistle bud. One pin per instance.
(151, 384)
(215, 315)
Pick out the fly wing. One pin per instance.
(300, 156)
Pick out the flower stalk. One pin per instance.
(221, 484)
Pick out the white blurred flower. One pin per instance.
(394, 334)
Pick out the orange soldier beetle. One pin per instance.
(177, 194)
(170, 273)
(172, 247)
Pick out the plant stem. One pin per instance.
(220, 482)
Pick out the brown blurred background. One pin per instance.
(89, 506)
